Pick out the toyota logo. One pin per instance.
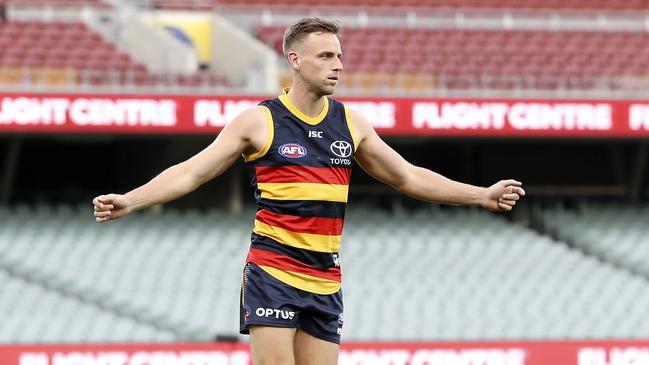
(341, 148)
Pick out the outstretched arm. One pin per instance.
(244, 134)
(381, 161)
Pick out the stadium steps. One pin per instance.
(59, 53)
(617, 235)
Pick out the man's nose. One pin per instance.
(339, 65)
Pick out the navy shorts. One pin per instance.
(267, 301)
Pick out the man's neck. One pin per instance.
(307, 102)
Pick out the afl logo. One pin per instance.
(292, 150)
(341, 149)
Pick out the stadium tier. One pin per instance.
(616, 233)
(497, 59)
(608, 5)
(175, 272)
(57, 3)
(175, 276)
(65, 53)
(418, 59)
(471, 275)
(36, 314)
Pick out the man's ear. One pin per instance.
(293, 60)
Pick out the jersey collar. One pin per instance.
(296, 112)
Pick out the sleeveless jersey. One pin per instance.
(300, 180)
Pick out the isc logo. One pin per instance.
(292, 150)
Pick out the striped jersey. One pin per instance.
(300, 179)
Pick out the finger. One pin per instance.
(510, 196)
(102, 214)
(518, 190)
(512, 182)
(505, 207)
(508, 202)
(103, 202)
(96, 200)
(102, 220)
(107, 199)
(102, 207)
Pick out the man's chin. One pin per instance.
(328, 90)
(324, 90)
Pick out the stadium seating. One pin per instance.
(31, 313)
(496, 59)
(182, 4)
(426, 275)
(410, 59)
(617, 233)
(178, 274)
(608, 5)
(464, 274)
(36, 52)
(57, 3)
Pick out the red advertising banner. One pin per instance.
(172, 114)
(415, 353)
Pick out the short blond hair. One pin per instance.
(306, 26)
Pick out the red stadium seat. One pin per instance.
(546, 59)
(58, 3)
(406, 5)
(36, 44)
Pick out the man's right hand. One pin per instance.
(111, 206)
(246, 134)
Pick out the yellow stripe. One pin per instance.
(305, 118)
(304, 191)
(269, 138)
(350, 125)
(306, 241)
(243, 288)
(304, 282)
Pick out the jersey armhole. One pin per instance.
(350, 126)
(269, 138)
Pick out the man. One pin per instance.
(298, 150)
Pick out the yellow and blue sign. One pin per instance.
(195, 30)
